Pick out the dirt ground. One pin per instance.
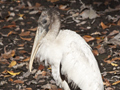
(97, 21)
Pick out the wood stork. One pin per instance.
(73, 65)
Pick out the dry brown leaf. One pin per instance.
(88, 38)
(13, 53)
(95, 52)
(98, 46)
(114, 32)
(37, 5)
(96, 3)
(9, 54)
(29, 22)
(27, 39)
(11, 32)
(114, 64)
(110, 24)
(27, 33)
(6, 76)
(33, 29)
(12, 73)
(107, 2)
(49, 68)
(3, 61)
(63, 7)
(103, 25)
(28, 89)
(106, 59)
(117, 82)
(116, 58)
(1, 20)
(52, 1)
(114, 72)
(9, 26)
(99, 41)
(44, 73)
(10, 79)
(110, 61)
(98, 38)
(107, 83)
(40, 67)
(112, 46)
(27, 59)
(4, 72)
(77, 31)
(17, 58)
(21, 45)
(20, 15)
(118, 23)
(13, 63)
(18, 81)
(104, 32)
(22, 51)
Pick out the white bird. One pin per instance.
(73, 65)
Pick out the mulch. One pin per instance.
(98, 22)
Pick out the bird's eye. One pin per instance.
(44, 21)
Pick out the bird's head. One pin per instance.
(48, 21)
(47, 18)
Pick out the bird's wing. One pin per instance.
(72, 85)
(79, 66)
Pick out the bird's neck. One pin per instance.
(54, 29)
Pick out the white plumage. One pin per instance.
(73, 65)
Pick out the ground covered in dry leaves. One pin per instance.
(98, 22)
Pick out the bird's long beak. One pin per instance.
(39, 35)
